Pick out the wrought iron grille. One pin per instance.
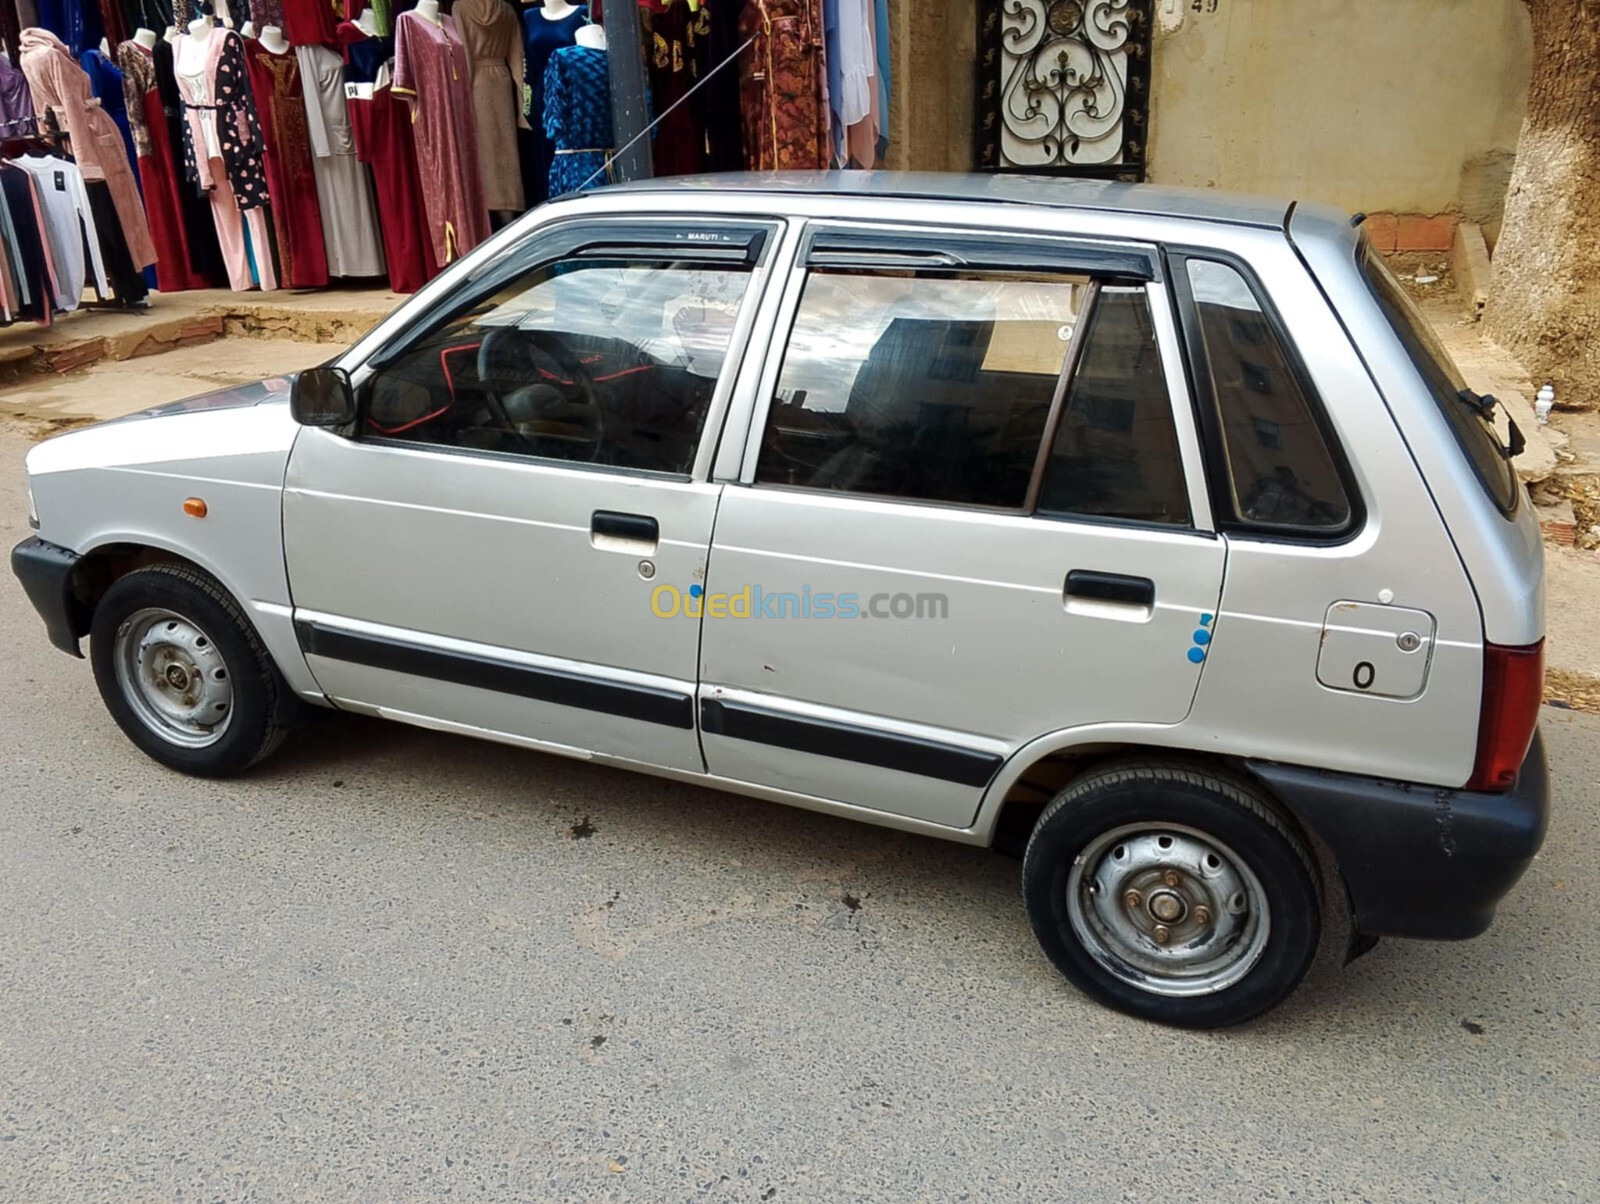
(1064, 86)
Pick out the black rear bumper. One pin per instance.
(1421, 861)
(45, 570)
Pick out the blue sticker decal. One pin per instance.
(1202, 636)
(1205, 620)
(1197, 655)
(696, 590)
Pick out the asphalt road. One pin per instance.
(393, 965)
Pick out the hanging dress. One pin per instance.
(492, 36)
(222, 152)
(680, 139)
(541, 38)
(194, 207)
(158, 170)
(431, 72)
(291, 178)
(781, 81)
(16, 102)
(577, 118)
(344, 193)
(58, 83)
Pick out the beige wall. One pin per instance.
(1403, 106)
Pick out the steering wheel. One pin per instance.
(514, 357)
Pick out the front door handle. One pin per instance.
(1111, 587)
(615, 531)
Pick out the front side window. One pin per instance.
(1280, 470)
(923, 385)
(607, 359)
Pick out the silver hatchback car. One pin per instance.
(1148, 533)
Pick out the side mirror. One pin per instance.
(323, 397)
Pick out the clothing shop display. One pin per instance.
(291, 180)
(344, 193)
(222, 152)
(541, 37)
(492, 36)
(16, 101)
(381, 122)
(431, 72)
(58, 83)
(159, 176)
(577, 118)
(677, 38)
(69, 225)
(782, 78)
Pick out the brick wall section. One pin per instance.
(1391, 232)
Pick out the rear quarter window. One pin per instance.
(1472, 429)
(1281, 474)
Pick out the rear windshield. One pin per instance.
(1473, 430)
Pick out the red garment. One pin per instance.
(673, 39)
(311, 23)
(382, 128)
(781, 81)
(161, 174)
(291, 181)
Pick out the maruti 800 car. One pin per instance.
(1148, 532)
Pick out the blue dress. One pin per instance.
(577, 117)
(540, 40)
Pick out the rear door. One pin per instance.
(968, 514)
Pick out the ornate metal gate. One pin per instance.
(1063, 86)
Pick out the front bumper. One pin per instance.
(1421, 861)
(45, 570)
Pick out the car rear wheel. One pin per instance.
(183, 673)
(1172, 893)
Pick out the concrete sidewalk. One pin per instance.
(177, 320)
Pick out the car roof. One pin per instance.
(1039, 191)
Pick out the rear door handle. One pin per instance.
(615, 531)
(1111, 587)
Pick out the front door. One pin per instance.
(479, 554)
(966, 520)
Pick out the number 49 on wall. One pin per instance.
(1204, 6)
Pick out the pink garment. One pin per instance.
(57, 82)
(230, 235)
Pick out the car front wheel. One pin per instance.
(183, 673)
(1172, 893)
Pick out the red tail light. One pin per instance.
(1513, 688)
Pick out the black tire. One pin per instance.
(1205, 810)
(254, 726)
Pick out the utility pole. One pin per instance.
(629, 92)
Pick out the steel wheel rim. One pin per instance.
(1168, 909)
(173, 677)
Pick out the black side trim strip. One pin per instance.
(933, 249)
(908, 754)
(648, 704)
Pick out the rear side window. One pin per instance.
(1473, 430)
(926, 386)
(1115, 452)
(1282, 475)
